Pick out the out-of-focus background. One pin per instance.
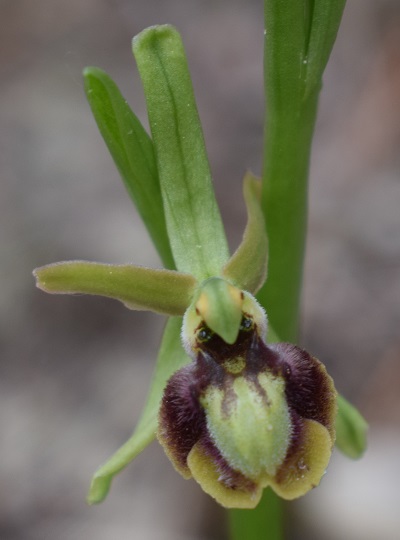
(74, 370)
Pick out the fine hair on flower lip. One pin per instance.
(244, 416)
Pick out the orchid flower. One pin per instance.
(234, 410)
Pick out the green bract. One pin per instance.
(168, 178)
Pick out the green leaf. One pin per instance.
(162, 291)
(170, 358)
(194, 224)
(247, 268)
(351, 429)
(220, 305)
(133, 154)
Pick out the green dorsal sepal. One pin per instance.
(192, 216)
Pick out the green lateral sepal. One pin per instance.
(351, 430)
(132, 151)
(171, 357)
(247, 268)
(193, 220)
(162, 291)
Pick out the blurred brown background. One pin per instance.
(74, 370)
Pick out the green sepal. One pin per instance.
(351, 429)
(163, 291)
(247, 268)
(132, 151)
(171, 357)
(193, 220)
(220, 305)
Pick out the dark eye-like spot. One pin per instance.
(204, 334)
(246, 324)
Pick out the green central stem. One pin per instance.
(262, 523)
(299, 36)
(289, 124)
(288, 139)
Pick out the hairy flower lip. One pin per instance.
(209, 420)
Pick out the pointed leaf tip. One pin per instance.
(99, 489)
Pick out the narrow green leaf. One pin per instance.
(220, 305)
(133, 154)
(170, 358)
(162, 291)
(193, 221)
(247, 268)
(351, 429)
